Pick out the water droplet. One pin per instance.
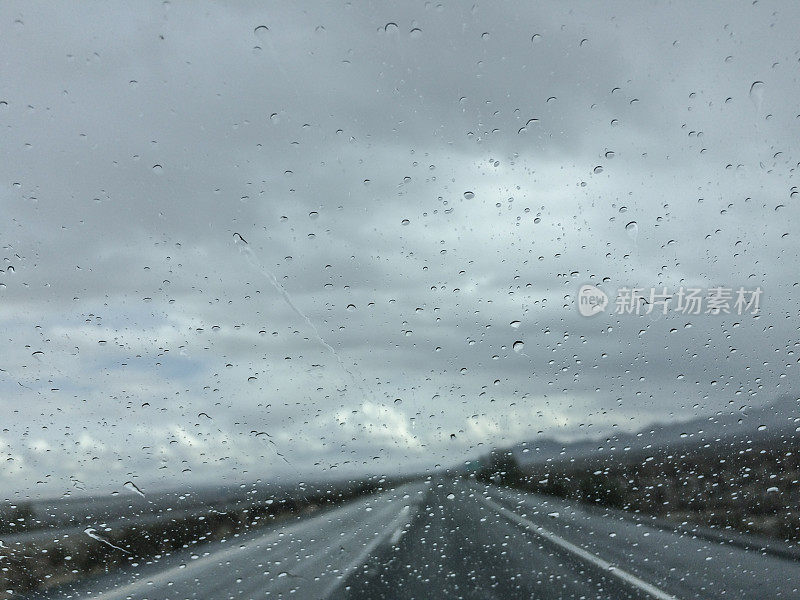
(451, 496)
(415, 33)
(757, 93)
(351, 307)
(157, 169)
(261, 31)
(536, 38)
(132, 487)
(518, 346)
(469, 195)
(390, 27)
(515, 324)
(91, 532)
(313, 214)
(598, 169)
(404, 222)
(632, 228)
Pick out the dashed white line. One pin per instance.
(398, 533)
(403, 517)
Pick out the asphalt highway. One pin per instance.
(457, 539)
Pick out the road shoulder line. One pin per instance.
(726, 537)
(629, 578)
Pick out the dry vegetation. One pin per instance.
(748, 487)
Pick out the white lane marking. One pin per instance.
(306, 564)
(305, 567)
(195, 565)
(166, 576)
(406, 514)
(398, 533)
(580, 552)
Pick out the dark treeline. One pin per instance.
(752, 488)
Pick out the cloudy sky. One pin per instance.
(245, 242)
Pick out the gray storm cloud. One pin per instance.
(139, 343)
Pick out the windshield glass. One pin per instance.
(399, 300)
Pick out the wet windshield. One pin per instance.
(399, 300)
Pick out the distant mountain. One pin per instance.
(778, 419)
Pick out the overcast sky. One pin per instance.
(242, 242)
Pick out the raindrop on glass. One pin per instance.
(632, 229)
(132, 487)
(757, 94)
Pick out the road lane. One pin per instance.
(459, 548)
(459, 539)
(465, 544)
(305, 559)
(684, 565)
(579, 552)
